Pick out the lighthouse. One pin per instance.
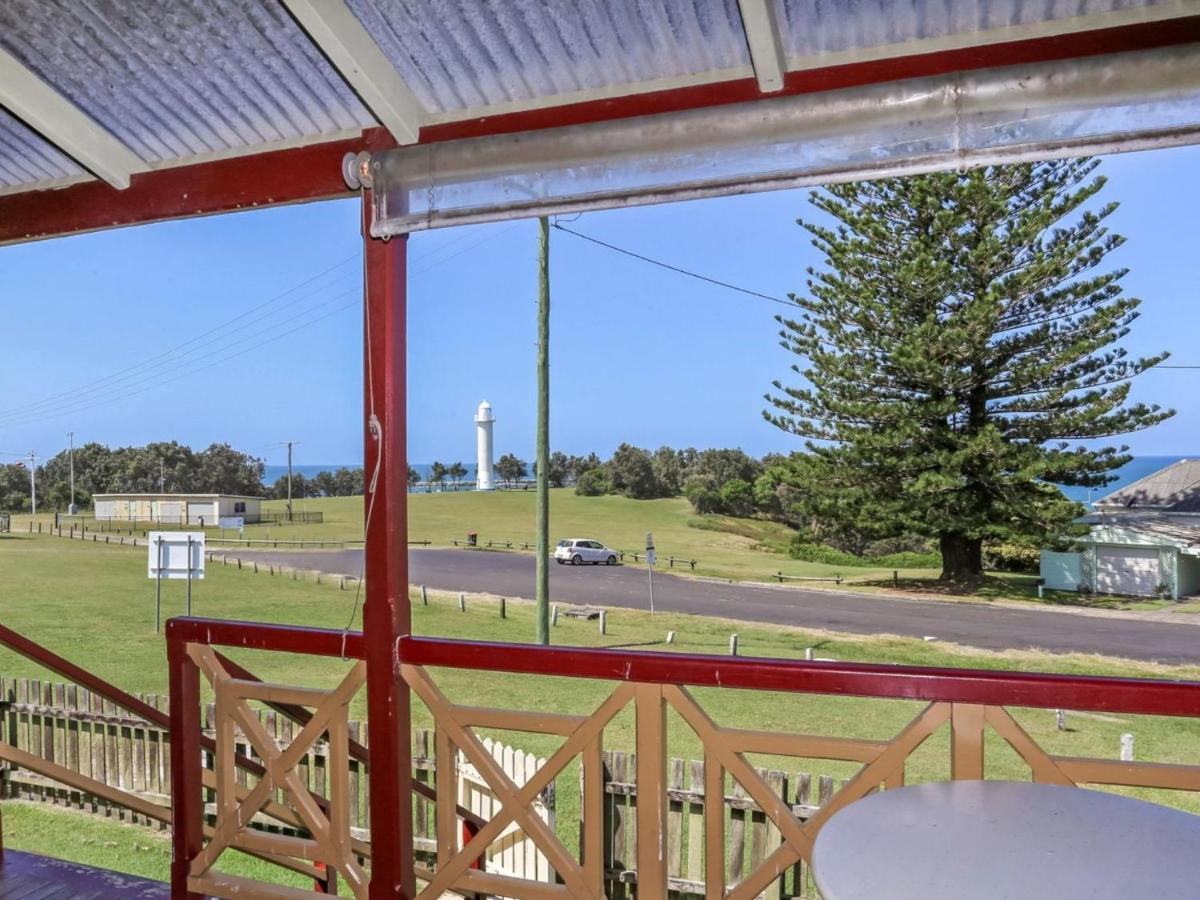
(484, 420)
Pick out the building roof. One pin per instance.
(110, 102)
(1185, 535)
(1174, 489)
(166, 496)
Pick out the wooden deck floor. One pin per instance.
(26, 876)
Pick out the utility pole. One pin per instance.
(162, 478)
(71, 507)
(543, 434)
(33, 482)
(289, 505)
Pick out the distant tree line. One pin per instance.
(342, 483)
(168, 466)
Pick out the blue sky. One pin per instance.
(638, 354)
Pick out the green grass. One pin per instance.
(741, 549)
(1011, 586)
(94, 605)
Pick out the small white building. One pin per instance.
(176, 509)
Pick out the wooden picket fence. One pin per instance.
(751, 836)
(65, 724)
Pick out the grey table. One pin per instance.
(1005, 839)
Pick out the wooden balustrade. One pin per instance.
(882, 765)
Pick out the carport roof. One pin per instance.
(115, 112)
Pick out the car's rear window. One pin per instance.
(564, 543)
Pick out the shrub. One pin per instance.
(593, 483)
(1008, 557)
(707, 500)
(822, 553)
(737, 497)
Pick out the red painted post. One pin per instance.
(386, 614)
(187, 801)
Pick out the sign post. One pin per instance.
(174, 555)
(651, 557)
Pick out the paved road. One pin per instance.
(976, 625)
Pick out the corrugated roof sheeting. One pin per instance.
(26, 159)
(179, 78)
(816, 27)
(459, 54)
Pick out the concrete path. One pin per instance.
(992, 627)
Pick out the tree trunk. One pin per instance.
(962, 557)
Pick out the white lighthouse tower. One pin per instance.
(484, 420)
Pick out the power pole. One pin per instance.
(289, 502)
(543, 434)
(162, 478)
(33, 482)
(71, 507)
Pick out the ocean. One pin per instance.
(1138, 467)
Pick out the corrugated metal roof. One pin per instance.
(25, 158)
(1175, 488)
(458, 54)
(181, 78)
(179, 81)
(817, 27)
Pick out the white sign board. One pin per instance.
(233, 523)
(172, 548)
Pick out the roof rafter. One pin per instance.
(355, 54)
(766, 43)
(64, 124)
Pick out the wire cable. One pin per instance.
(678, 269)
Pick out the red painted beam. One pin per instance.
(245, 182)
(1123, 38)
(1129, 695)
(314, 172)
(386, 611)
(261, 636)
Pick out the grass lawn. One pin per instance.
(1009, 586)
(742, 549)
(94, 605)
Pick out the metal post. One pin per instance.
(543, 434)
(189, 577)
(387, 615)
(158, 590)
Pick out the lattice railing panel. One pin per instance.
(882, 765)
(280, 792)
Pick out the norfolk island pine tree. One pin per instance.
(958, 343)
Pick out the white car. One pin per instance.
(578, 551)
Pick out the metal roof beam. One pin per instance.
(64, 124)
(356, 55)
(766, 43)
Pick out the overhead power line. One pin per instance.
(716, 281)
(680, 270)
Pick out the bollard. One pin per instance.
(554, 614)
(1060, 719)
(670, 637)
(503, 608)
(424, 595)
(1041, 596)
(733, 641)
(603, 622)
(256, 567)
(808, 654)
(1126, 747)
(342, 585)
(895, 578)
(462, 602)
